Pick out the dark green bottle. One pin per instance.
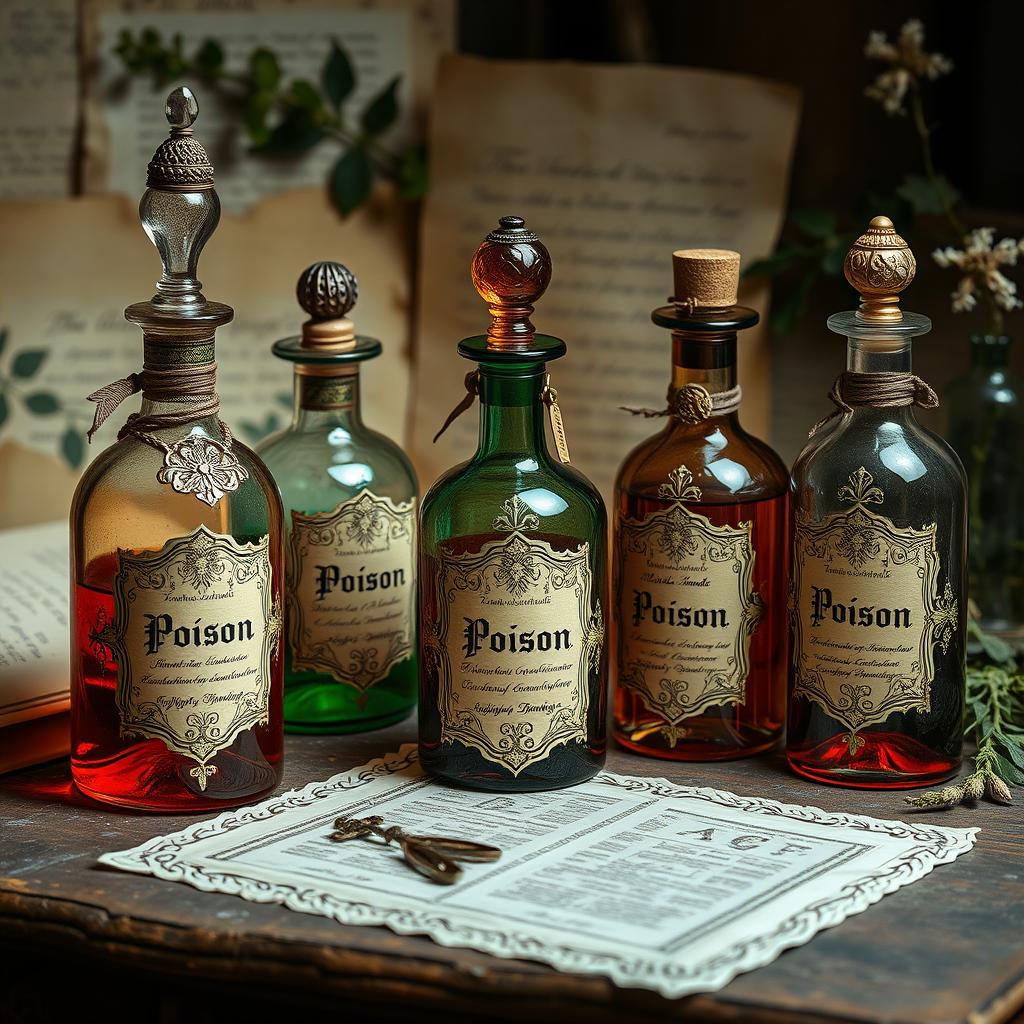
(512, 564)
(350, 498)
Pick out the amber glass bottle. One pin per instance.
(700, 548)
(177, 549)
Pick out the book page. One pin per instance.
(655, 885)
(382, 40)
(614, 167)
(74, 317)
(34, 658)
(38, 97)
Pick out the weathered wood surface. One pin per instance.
(948, 948)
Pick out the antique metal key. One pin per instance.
(435, 857)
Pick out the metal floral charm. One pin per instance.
(201, 466)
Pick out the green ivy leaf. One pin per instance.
(303, 94)
(284, 398)
(209, 58)
(339, 79)
(264, 70)
(298, 130)
(42, 403)
(383, 109)
(26, 364)
(3, 408)
(257, 108)
(413, 174)
(1007, 771)
(926, 198)
(72, 447)
(351, 179)
(816, 223)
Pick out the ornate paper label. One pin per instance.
(867, 611)
(518, 635)
(351, 588)
(686, 608)
(196, 631)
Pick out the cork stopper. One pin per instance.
(327, 291)
(180, 163)
(705, 278)
(880, 265)
(511, 270)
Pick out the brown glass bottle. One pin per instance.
(701, 548)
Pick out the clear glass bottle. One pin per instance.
(701, 548)
(177, 549)
(350, 493)
(512, 564)
(985, 426)
(877, 672)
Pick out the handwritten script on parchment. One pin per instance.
(614, 167)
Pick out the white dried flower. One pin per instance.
(979, 260)
(909, 64)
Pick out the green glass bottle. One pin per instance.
(512, 564)
(350, 496)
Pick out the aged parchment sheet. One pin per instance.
(38, 97)
(615, 167)
(70, 267)
(123, 126)
(654, 885)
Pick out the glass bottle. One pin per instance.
(177, 548)
(350, 492)
(701, 548)
(512, 564)
(985, 426)
(877, 673)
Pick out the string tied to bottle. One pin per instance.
(883, 390)
(692, 403)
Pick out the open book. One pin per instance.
(34, 660)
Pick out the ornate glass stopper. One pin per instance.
(880, 265)
(705, 278)
(180, 210)
(511, 271)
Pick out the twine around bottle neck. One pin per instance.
(853, 390)
(193, 388)
(693, 403)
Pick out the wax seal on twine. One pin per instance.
(693, 403)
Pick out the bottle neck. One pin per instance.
(179, 378)
(990, 353)
(872, 355)
(709, 360)
(511, 410)
(326, 402)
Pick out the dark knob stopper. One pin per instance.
(511, 271)
(327, 290)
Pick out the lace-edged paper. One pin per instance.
(798, 870)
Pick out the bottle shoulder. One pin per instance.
(724, 461)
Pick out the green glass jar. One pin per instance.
(350, 497)
(512, 564)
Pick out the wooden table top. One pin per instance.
(947, 948)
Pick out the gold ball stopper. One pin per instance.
(705, 278)
(880, 265)
(327, 291)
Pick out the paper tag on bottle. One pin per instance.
(867, 612)
(351, 589)
(687, 608)
(196, 630)
(516, 644)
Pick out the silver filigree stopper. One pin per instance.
(180, 163)
(327, 290)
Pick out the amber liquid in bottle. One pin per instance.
(731, 479)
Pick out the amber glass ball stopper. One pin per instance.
(880, 265)
(511, 270)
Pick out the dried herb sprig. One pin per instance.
(995, 720)
(282, 116)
